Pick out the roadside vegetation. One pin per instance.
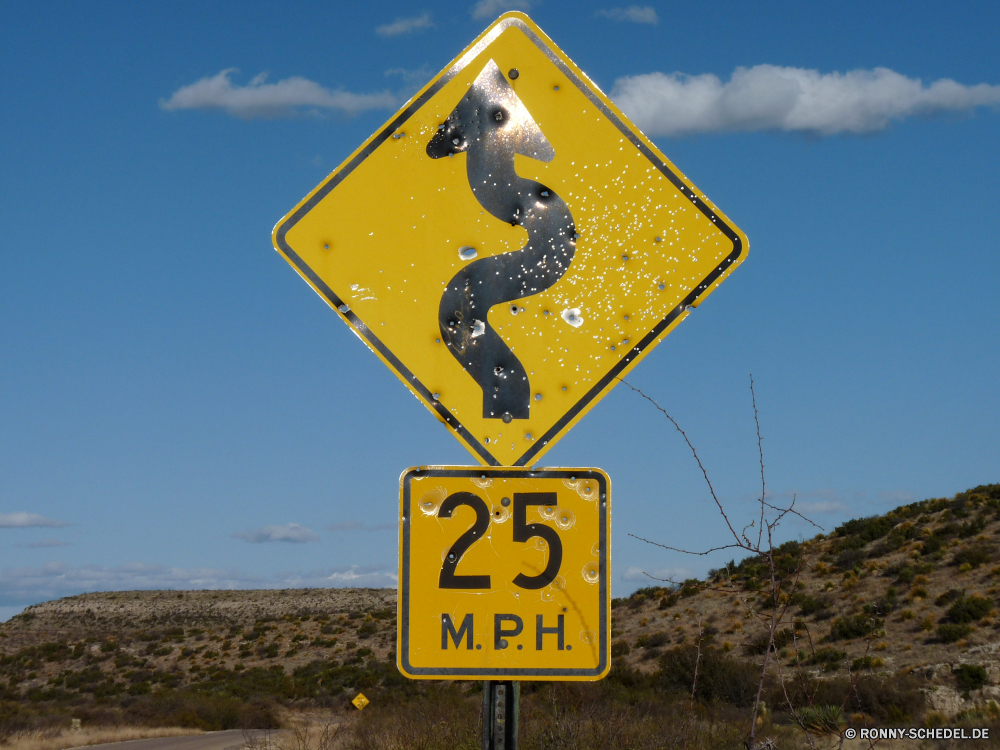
(888, 620)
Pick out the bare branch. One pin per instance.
(760, 451)
(694, 453)
(688, 552)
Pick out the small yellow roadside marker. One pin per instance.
(360, 701)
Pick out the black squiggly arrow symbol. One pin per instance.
(491, 124)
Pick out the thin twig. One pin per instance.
(704, 473)
(760, 451)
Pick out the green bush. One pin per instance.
(970, 609)
(970, 676)
(949, 596)
(897, 698)
(810, 605)
(721, 678)
(652, 640)
(854, 626)
(975, 555)
(619, 648)
(758, 644)
(951, 632)
(829, 657)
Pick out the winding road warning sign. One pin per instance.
(509, 244)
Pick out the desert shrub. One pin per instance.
(866, 662)
(974, 555)
(970, 676)
(721, 678)
(951, 631)
(829, 657)
(619, 648)
(849, 559)
(653, 640)
(895, 699)
(931, 545)
(809, 605)
(200, 711)
(854, 626)
(971, 528)
(865, 529)
(368, 629)
(949, 596)
(758, 644)
(668, 601)
(969, 609)
(442, 720)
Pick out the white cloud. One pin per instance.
(290, 532)
(261, 99)
(405, 25)
(358, 526)
(632, 14)
(362, 576)
(769, 97)
(28, 585)
(22, 520)
(418, 75)
(44, 544)
(489, 9)
(657, 575)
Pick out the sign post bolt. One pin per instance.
(501, 701)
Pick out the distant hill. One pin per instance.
(925, 575)
(912, 592)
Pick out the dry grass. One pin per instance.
(60, 739)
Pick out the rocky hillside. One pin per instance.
(912, 593)
(138, 642)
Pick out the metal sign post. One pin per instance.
(500, 714)
(510, 245)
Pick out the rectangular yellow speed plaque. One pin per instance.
(504, 573)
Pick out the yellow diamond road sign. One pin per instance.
(509, 244)
(360, 701)
(504, 573)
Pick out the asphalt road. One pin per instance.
(231, 739)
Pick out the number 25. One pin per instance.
(523, 531)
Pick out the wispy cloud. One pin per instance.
(28, 585)
(22, 520)
(808, 501)
(769, 97)
(290, 532)
(417, 75)
(44, 544)
(261, 99)
(655, 575)
(358, 526)
(489, 9)
(363, 575)
(632, 14)
(56, 579)
(405, 25)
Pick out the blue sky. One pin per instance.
(177, 409)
